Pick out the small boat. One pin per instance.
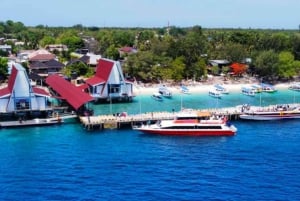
(294, 87)
(257, 88)
(214, 93)
(249, 91)
(274, 113)
(267, 88)
(157, 96)
(191, 124)
(221, 89)
(164, 91)
(184, 89)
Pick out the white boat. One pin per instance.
(190, 124)
(214, 93)
(249, 91)
(221, 89)
(257, 88)
(164, 91)
(275, 113)
(157, 96)
(184, 89)
(295, 86)
(267, 88)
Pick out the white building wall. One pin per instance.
(34, 103)
(3, 104)
(21, 87)
(41, 102)
(11, 105)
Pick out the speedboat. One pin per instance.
(277, 112)
(257, 88)
(164, 91)
(220, 88)
(267, 88)
(249, 91)
(214, 93)
(157, 96)
(184, 89)
(295, 86)
(191, 124)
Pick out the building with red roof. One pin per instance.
(19, 96)
(109, 83)
(68, 92)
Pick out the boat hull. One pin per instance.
(270, 116)
(187, 132)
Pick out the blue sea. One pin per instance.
(66, 162)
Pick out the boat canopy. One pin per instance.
(203, 114)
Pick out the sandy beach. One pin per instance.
(198, 87)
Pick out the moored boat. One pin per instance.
(267, 88)
(214, 93)
(256, 88)
(157, 96)
(191, 124)
(249, 91)
(164, 91)
(295, 86)
(184, 89)
(277, 112)
(220, 88)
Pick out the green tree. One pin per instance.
(70, 39)
(3, 68)
(286, 65)
(47, 40)
(80, 68)
(112, 52)
(266, 64)
(178, 68)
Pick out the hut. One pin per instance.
(109, 83)
(20, 98)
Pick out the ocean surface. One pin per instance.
(66, 162)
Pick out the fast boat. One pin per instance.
(249, 91)
(164, 91)
(220, 88)
(214, 93)
(157, 96)
(191, 124)
(184, 89)
(295, 86)
(256, 88)
(267, 88)
(277, 112)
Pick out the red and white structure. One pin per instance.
(109, 83)
(20, 96)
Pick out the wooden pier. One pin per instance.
(101, 122)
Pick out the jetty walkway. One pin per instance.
(116, 122)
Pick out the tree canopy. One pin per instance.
(171, 52)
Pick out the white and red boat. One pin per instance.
(191, 124)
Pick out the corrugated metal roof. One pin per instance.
(104, 68)
(73, 95)
(95, 81)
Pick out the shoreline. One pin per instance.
(197, 88)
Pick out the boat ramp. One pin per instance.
(101, 122)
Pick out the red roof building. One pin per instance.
(19, 95)
(109, 83)
(67, 91)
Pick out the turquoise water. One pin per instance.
(66, 162)
(144, 103)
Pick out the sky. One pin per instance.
(255, 14)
